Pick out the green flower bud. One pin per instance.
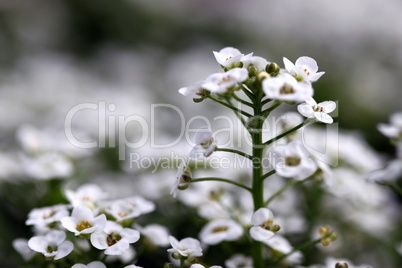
(275, 228)
(272, 68)
(341, 264)
(252, 71)
(168, 265)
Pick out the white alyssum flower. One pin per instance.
(286, 88)
(114, 239)
(197, 265)
(43, 217)
(291, 161)
(83, 221)
(239, 261)
(21, 246)
(281, 244)
(129, 208)
(320, 111)
(157, 234)
(187, 247)
(94, 264)
(220, 230)
(204, 144)
(262, 221)
(304, 69)
(222, 82)
(259, 62)
(229, 56)
(394, 129)
(191, 90)
(86, 195)
(52, 245)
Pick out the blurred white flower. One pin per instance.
(262, 221)
(281, 244)
(228, 56)
(293, 162)
(259, 62)
(52, 245)
(220, 230)
(204, 144)
(48, 165)
(157, 234)
(114, 239)
(286, 88)
(94, 264)
(129, 208)
(42, 217)
(197, 265)
(305, 69)
(21, 246)
(132, 266)
(83, 221)
(222, 82)
(86, 195)
(320, 111)
(239, 261)
(391, 172)
(394, 129)
(187, 247)
(191, 90)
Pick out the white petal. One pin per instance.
(130, 235)
(289, 66)
(64, 249)
(316, 76)
(323, 117)
(308, 63)
(261, 215)
(99, 240)
(329, 106)
(38, 244)
(260, 234)
(55, 237)
(118, 248)
(203, 135)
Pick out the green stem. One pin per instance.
(235, 152)
(268, 174)
(298, 248)
(242, 101)
(249, 94)
(280, 191)
(239, 116)
(222, 180)
(265, 101)
(182, 262)
(284, 134)
(229, 106)
(266, 112)
(258, 183)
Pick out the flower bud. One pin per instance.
(275, 228)
(272, 68)
(262, 75)
(252, 71)
(168, 265)
(341, 264)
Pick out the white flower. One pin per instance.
(86, 195)
(42, 217)
(187, 247)
(47, 165)
(304, 69)
(21, 245)
(132, 266)
(220, 230)
(183, 177)
(197, 265)
(204, 144)
(281, 244)
(228, 56)
(191, 90)
(82, 221)
(239, 261)
(394, 129)
(131, 207)
(391, 172)
(94, 264)
(320, 111)
(293, 162)
(222, 82)
(114, 239)
(262, 221)
(259, 62)
(157, 234)
(286, 88)
(53, 244)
